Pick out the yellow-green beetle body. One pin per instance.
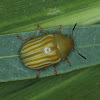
(46, 50)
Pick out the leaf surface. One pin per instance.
(22, 16)
(86, 40)
(82, 84)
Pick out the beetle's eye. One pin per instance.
(69, 36)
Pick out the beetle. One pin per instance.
(43, 51)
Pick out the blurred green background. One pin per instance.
(22, 16)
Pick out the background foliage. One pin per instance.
(21, 17)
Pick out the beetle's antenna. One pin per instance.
(73, 29)
(79, 53)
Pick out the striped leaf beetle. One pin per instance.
(41, 52)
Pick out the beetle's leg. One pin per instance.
(39, 72)
(55, 69)
(38, 26)
(30, 38)
(19, 37)
(60, 27)
(68, 62)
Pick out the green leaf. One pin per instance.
(82, 84)
(87, 41)
(18, 16)
(23, 15)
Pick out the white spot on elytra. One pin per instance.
(47, 50)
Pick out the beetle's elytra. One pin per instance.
(44, 51)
